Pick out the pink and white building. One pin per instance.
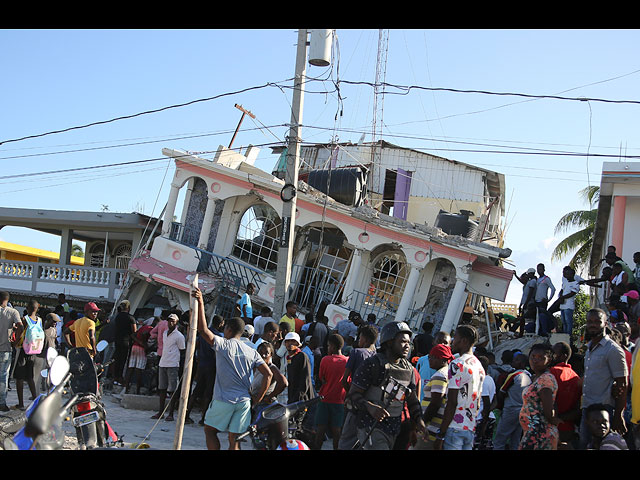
(222, 220)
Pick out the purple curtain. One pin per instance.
(401, 196)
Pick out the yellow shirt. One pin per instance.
(290, 321)
(81, 329)
(635, 392)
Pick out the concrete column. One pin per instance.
(66, 239)
(617, 230)
(456, 305)
(187, 198)
(409, 291)
(352, 276)
(171, 208)
(207, 222)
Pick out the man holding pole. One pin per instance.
(230, 409)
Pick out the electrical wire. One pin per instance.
(146, 112)
(405, 90)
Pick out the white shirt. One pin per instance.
(568, 287)
(526, 289)
(488, 390)
(171, 345)
(259, 323)
(544, 284)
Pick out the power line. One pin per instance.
(405, 91)
(407, 88)
(511, 152)
(157, 110)
(211, 134)
(109, 165)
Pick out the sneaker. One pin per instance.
(4, 408)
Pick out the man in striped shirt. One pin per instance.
(435, 393)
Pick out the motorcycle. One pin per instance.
(277, 426)
(88, 412)
(42, 423)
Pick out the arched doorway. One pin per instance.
(321, 275)
(435, 305)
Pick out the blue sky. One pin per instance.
(57, 79)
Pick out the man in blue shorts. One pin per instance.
(230, 409)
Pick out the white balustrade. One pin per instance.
(9, 268)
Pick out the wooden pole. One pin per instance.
(244, 112)
(188, 366)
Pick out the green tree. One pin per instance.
(579, 242)
(76, 250)
(580, 313)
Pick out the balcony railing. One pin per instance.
(44, 278)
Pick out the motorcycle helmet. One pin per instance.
(391, 329)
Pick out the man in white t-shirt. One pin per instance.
(168, 368)
(567, 297)
(466, 377)
(260, 321)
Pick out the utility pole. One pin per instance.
(244, 112)
(287, 226)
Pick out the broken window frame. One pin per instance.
(263, 254)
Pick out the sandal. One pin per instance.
(157, 416)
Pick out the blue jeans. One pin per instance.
(458, 440)
(567, 320)
(5, 365)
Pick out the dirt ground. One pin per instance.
(137, 426)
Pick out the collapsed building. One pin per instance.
(379, 229)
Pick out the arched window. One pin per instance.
(389, 276)
(123, 255)
(96, 255)
(257, 237)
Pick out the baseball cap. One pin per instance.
(249, 329)
(91, 307)
(531, 270)
(293, 336)
(441, 351)
(632, 294)
(173, 316)
(125, 303)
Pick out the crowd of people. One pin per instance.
(380, 386)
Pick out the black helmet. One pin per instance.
(391, 329)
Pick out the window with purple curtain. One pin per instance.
(401, 196)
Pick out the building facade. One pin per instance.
(346, 257)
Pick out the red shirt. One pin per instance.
(331, 371)
(298, 325)
(569, 391)
(629, 356)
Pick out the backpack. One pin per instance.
(33, 337)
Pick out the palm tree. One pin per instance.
(579, 242)
(76, 250)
